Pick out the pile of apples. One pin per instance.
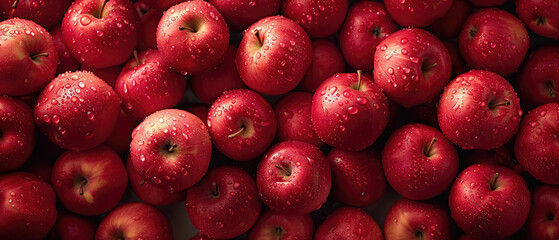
(297, 114)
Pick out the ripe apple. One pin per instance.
(538, 82)
(274, 55)
(484, 198)
(417, 13)
(536, 143)
(326, 61)
(200, 110)
(540, 16)
(488, 3)
(135, 221)
(28, 207)
(349, 111)
(349, 223)
(494, 40)
(77, 110)
(240, 14)
(66, 62)
(293, 177)
(101, 33)
(224, 204)
(192, 37)
(319, 18)
(293, 112)
(74, 227)
(46, 14)
(149, 193)
(171, 149)
(273, 225)
(449, 25)
(149, 20)
(17, 133)
(109, 75)
(411, 66)
(28, 57)
(242, 124)
(542, 222)
(459, 66)
(121, 136)
(363, 31)
(161, 4)
(479, 110)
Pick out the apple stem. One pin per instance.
(359, 79)
(427, 151)
(377, 31)
(236, 133)
(503, 103)
(257, 35)
(102, 8)
(419, 235)
(540, 21)
(279, 232)
(186, 28)
(84, 181)
(287, 173)
(15, 4)
(551, 86)
(215, 191)
(493, 181)
(172, 148)
(427, 67)
(136, 57)
(40, 55)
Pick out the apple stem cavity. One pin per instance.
(540, 21)
(236, 133)
(39, 55)
(187, 28)
(84, 181)
(257, 35)
(493, 182)
(427, 151)
(426, 66)
(551, 86)
(172, 148)
(284, 170)
(279, 232)
(377, 32)
(419, 235)
(215, 190)
(473, 32)
(503, 103)
(14, 5)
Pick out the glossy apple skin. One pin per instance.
(495, 40)
(200, 110)
(307, 186)
(74, 227)
(319, 18)
(538, 82)
(346, 223)
(326, 61)
(161, 4)
(101, 42)
(66, 62)
(21, 73)
(109, 75)
(121, 136)
(208, 86)
(200, 46)
(242, 109)
(28, 207)
(293, 112)
(274, 55)
(189, 140)
(223, 188)
(542, 222)
(411, 66)
(417, 13)
(363, 31)
(149, 20)
(481, 211)
(346, 118)
(46, 14)
(147, 85)
(291, 227)
(149, 193)
(135, 221)
(536, 143)
(241, 14)
(470, 114)
(17, 133)
(449, 25)
(533, 12)
(412, 171)
(407, 219)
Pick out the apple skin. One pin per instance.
(538, 82)
(208, 86)
(121, 136)
(161, 4)
(449, 25)
(327, 61)
(484, 198)
(244, 112)
(171, 149)
(101, 39)
(479, 110)
(66, 62)
(540, 16)
(149, 20)
(459, 66)
(223, 188)
(273, 225)
(408, 219)
(536, 146)
(293, 112)
(363, 31)
(27, 61)
(425, 113)
(274, 55)
(147, 84)
(293, 177)
(240, 14)
(201, 43)
(488, 3)
(542, 222)
(349, 111)
(135, 221)
(149, 193)
(349, 223)
(109, 75)
(46, 14)
(319, 18)
(411, 66)
(77, 110)
(28, 207)
(502, 156)
(199, 236)
(74, 227)
(200, 110)
(17, 133)
(495, 40)
(39, 165)
(417, 13)
(419, 162)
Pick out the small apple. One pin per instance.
(449, 25)
(319, 18)
(74, 227)
(17, 133)
(46, 14)
(538, 82)
(417, 13)
(273, 226)
(540, 16)
(149, 193)
(349, 223)
(240, 14)
(66, 62)
(293, 112)
(326, 61)
(149, 20)
(542, 222)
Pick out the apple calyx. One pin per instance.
(493, 183)
(230, 136)
(550, 85)
(427, 150)
(39, 55)
(278, 232)
(214, 193)
(377, 31)
(284, 170)
(14, 5)
(540, 21)
(82, 185)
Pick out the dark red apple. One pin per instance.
(540, 16)
(538, 82)
(200, 110)
(273, 225)
(66, 62)
(293, 112)
(499, 156)
(459, 66)
(449, 25)
(417, 13)
(45, 13)
(319, 18)
(149, 20)
(240, 14)
(327, 61)
(121, 136)
(349, 223)
(542, 222)
(39, 165)
(17, 133)
(149, 193)
(199, 236)
(109, 75)
(74, 227)
(488, 3)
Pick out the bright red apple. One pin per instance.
(538, 82)
(327, 61)
(319, 18)
(66, 62)
(240, 14)
(542, 222)
(45, 13)
(17, 133)
(149, 20)
(149, 193)
(449, 25)
(121, 136)
(273, 225)
(293, 112)
(417, 13)
(349, 223)
(540, 16)
(74, 227)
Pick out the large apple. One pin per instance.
(293, 112)
(417, 13)
(326, 61)
(538, 82)
(542, 222)
(540, 16)
(319, 18)
(449, 25)
(349, 223)
(240, 14)
(17, 133)
(149, 193)
(409, 219)
(46, 14)
(273, 226)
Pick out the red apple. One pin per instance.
(161, 4)
(319, 18)
(77, 110)
(494, 40)
(293, 112)
(121, 136)
(542, 222)
(240, 14)
(274, 55)
(224, 204)
(349, 111)
(484, 198)
(417, 13)
(149, 193)
(200, 237)
(101, 33)
(419, 162)
(357, 177)
(149, 20)
(171, 149)
(17, 133)
(479, 110)
(28, 207)
(459, 66)
(293, 177)
(349, 223)
(536, 143)
(488, 3)
(449, 25)
(28, 57)
(327, 61)
(200, 110)
(45, 13)
(66, 62)
(540, 16)
(273, 225)
(74, 227)
(538, 82)
(135, 221)
(192, 37)
(109, 75)
(411, 66)
(242, 124)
